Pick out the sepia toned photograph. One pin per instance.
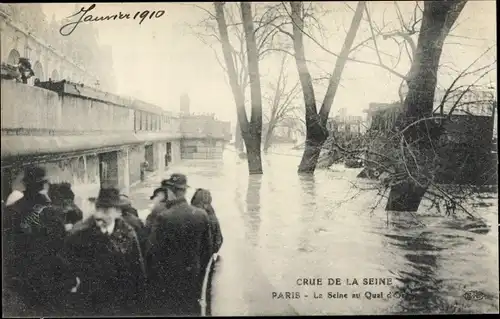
(249, 158)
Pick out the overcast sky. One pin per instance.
(160, 59)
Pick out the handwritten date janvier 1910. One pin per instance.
(84, 16)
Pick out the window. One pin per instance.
(190, 149)
(27, 52)
(92, 165)
(104, 170)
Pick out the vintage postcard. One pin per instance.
(249, 158)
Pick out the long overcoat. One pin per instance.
(110, 269)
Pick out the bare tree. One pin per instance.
(266, 34)
(281, 100)
(317, 133)
(272, 37)
(250, 131)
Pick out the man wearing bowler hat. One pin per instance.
(106, 260)
(175, 251)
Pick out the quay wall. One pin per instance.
(90, 138)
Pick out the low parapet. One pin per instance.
(65, 87)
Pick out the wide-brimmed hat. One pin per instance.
(34, 175)
(109, 197)
(176, 180)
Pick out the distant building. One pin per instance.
(382, 116)
(470, 135)
(26, 32)
(346, 125)
(472, 102)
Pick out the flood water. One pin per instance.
(280, 227)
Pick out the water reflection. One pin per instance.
(251, 215)
(434, 265)
(308, 211)
(419, 286)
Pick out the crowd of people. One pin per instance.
(58, 263)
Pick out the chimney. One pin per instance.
(184, 104)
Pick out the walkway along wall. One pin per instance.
(84, 136)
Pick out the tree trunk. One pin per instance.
(419, 100)
(238, 140)
(438, 18)
(249, 131)
(310, 155)
(253, 148)
(405, 197)
(253, 156)
(316, 132)
(267, 141)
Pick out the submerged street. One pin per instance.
(280, 227)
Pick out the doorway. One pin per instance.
(108, 169)
(168, 153)
(149, 156)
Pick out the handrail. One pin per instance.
(202, 300)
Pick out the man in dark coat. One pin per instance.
(106, 259)
(33, 235)
(178, 245)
